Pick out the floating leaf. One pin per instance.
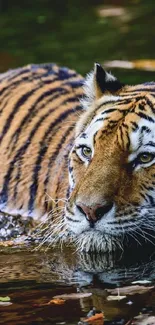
(118, 297)
(73, 296)
(130, 290)
(143, 320)
(141, 282)
(56, 301)
(51, 302)
(5, 303)
(97, 319)
(5, 299)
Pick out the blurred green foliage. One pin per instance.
(72, 33)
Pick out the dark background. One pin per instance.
(76, 33)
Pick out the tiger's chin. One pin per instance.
(96, 241)
(107, 239)
(86, 241)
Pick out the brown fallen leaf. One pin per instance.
(97, 319)
(130, 290)
(56, 301)
(51, 302)
(72, 296)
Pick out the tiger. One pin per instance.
(77, 157)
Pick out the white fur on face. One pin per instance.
(142, 141)
(145, 137)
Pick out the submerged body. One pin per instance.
(88, 166)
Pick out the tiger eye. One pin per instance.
(146, 158)
(86, 152)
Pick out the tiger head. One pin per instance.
(112, 164)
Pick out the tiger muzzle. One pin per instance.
(94, 213)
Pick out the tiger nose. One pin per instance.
(96, 212)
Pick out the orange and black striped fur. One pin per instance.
(39, 105)
(90, 159)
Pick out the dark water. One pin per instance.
(31, 278)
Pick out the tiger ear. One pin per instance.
(104, 82)
(97, 83)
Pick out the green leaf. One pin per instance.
(5, 299)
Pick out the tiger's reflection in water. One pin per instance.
(63, 271)
(96, 273)
(120, 268)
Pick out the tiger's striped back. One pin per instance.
(39, 105)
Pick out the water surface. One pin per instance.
(32, 278)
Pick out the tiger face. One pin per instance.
(112, 165)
